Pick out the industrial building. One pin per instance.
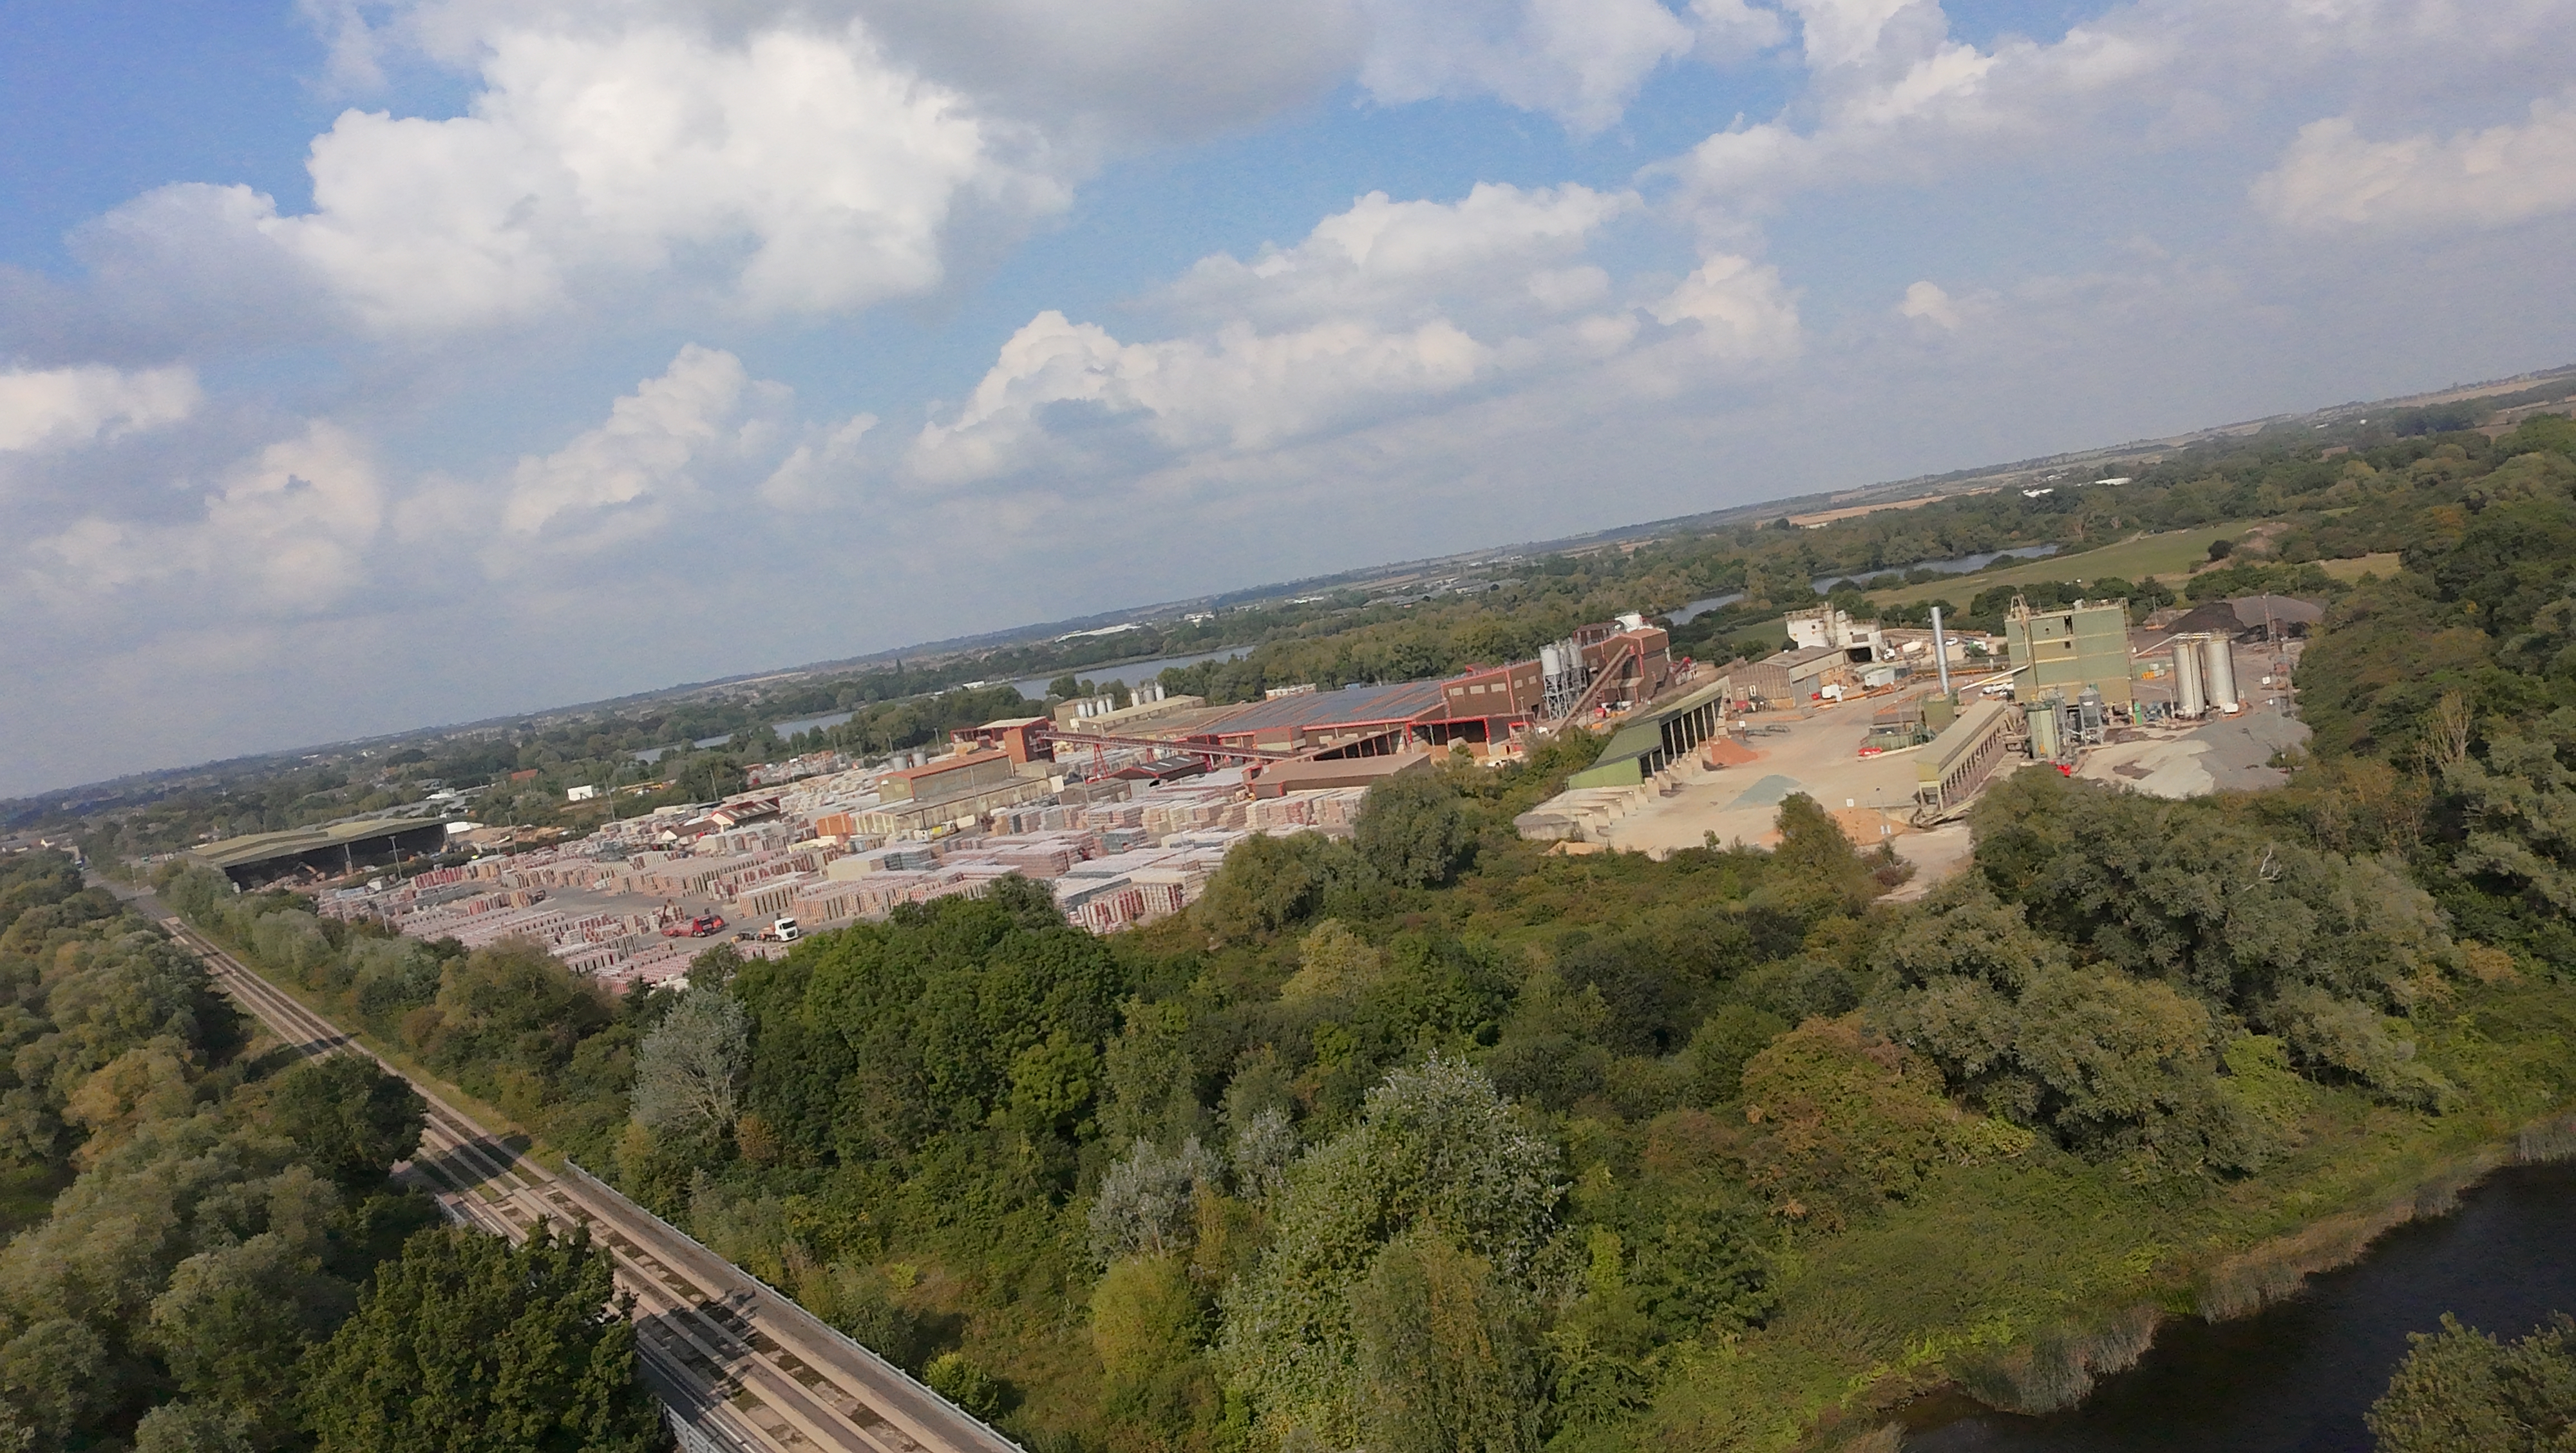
(2069, 650)
(1646, 743)
(261, 858)
(1957, 762)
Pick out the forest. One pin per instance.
(206, 1253)
(1428, 1138)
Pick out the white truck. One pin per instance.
(780, 930)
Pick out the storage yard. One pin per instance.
(2197, 702)
(1124, 812)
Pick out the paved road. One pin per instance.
(740, 1367)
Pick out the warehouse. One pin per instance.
(330, 852)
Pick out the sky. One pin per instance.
(371, 364)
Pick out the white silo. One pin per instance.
(2189, 702)
(2222, 672)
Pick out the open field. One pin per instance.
(2383, 565)
(2169, 555)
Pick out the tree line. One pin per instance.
(208, 1253)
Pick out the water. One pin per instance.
(2298, 1377)
(1134, 674)
(1704, 606)
(1957, 565)
(1032, 687)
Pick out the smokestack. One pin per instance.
(1941, 650)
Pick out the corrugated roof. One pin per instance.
(260, 847)
(1401, 702)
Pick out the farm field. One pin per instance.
(2170, 554)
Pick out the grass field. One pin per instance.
(2169, 555)
(2382, 565)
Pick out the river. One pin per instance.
(1135, 673)
(2297, 1377)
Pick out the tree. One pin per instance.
(1145, 1202)
(690, 1067)
(1333, 962)
(235, 1321)
(1435, 1147)
(470, 1345)
(185, 1427)
(349, 1118)
(1414, 830)
(1445, 1357)
(1064, 688)
(1268, 883)
(2461, 1391)
(1145, 1318)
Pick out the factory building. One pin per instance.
(2068, 650)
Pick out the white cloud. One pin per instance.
(623, 479)
(816, 473)
(1383, 256)
(1928, 302)
(786, 171)
(1848, 32)
(1580, 61)
(57, 408)
(1732, 30)
(1741, 308)
(1386, 309)
(2331, 178)
(285, 533)
(1892, 97)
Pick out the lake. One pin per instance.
(2297, 1377)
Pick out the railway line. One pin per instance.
(739, 1367)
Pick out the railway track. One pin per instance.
(739, 1367)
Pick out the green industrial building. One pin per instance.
(1646, 743)
(2067, 648)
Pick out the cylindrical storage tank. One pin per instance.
(1549, 662)
(2222, 672)
(2189, 702)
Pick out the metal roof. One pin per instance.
(1352, 704)
(1644, 732)
(260, 847)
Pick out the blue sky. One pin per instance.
(366, 364)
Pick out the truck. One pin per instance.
(780, 930)
(702, 926)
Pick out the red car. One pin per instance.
(698, 927)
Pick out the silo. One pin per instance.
(2189, 703)
(1550, 664)
(2222, 672)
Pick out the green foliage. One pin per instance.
(1435, 1148)
(348, 1118)
(963, 1381)
(1445, 1358)
(1270, 883)
(470, 1343)
(1413, 830)
(2460, 1389)
(223, 1212)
